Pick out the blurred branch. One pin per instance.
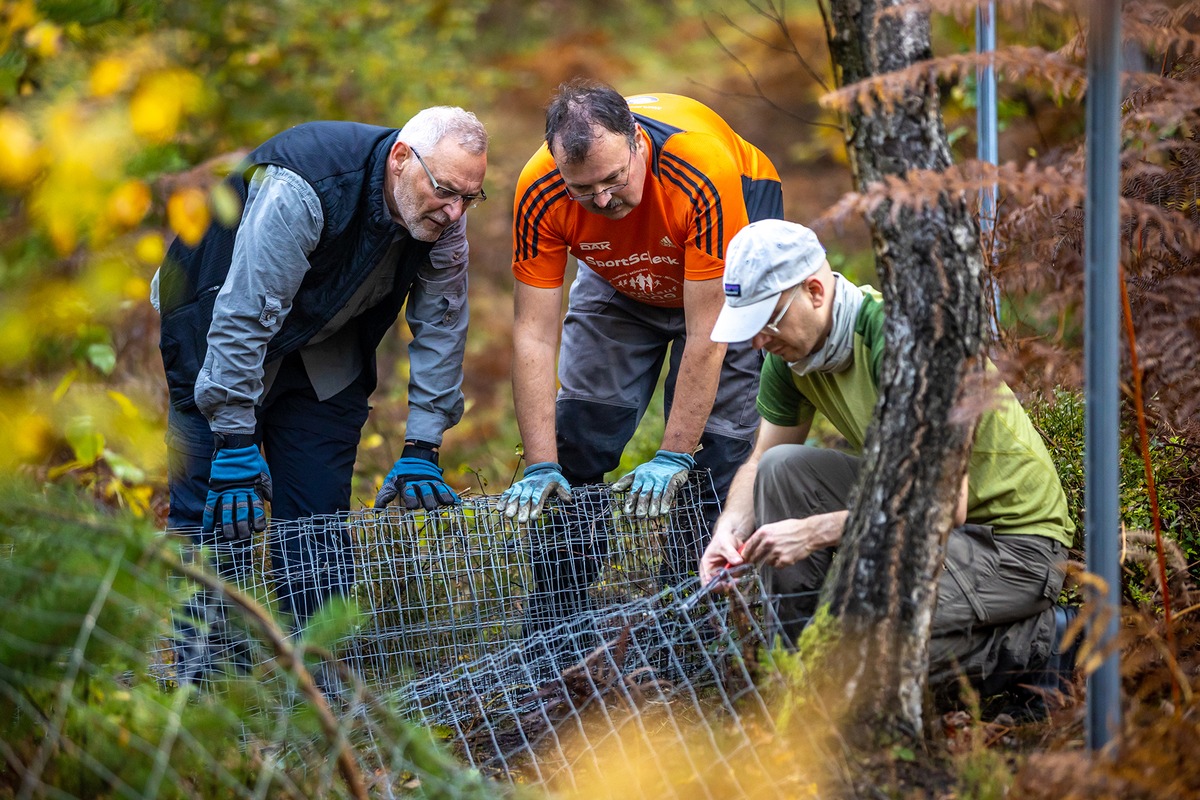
(776, 16)
(288, 659)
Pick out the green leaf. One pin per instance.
(85, 440)
(12, 66)
(123, 468)
(226, 206)
(102, 357)
(334, 621)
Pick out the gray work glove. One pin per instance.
(653, 485)
(526, 498)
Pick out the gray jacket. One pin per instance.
(281, 225)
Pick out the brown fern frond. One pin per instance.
(1148, 87)
(1018, 64)
(1140, 548)
(1157, 27)
(1031, 186)
(1168, 324)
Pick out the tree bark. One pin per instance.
(883, 583)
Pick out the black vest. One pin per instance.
(345, 163)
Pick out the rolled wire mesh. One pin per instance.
(677, 688)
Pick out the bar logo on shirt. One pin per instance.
(733, 290)
(595, 245)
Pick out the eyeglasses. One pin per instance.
(442, 193)
(610, 191)
(772, 327)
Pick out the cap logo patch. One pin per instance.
(733, 290)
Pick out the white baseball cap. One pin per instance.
(762, 260)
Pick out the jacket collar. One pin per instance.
(379, 218)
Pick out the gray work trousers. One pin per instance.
(612, 354)
(994, 620)
(611, 359)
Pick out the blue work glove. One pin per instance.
(527, 497)
(653, 485)
(418, 479)
(237, 486)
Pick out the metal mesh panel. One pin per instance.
(438, 590)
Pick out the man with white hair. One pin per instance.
(269, 329)
(996, 620)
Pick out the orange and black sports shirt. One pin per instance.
(704, 184)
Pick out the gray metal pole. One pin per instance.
(985, 106)
(1102, 355)
(986, 148)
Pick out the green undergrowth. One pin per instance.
(1060, 419)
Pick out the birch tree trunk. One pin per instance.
(882, 587)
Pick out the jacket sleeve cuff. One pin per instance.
(425, 426)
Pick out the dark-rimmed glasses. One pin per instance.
(772, 327)
(609, 190)
(442, 193)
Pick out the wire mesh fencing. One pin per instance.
(677, 695)
(558, 655)
(437, 590)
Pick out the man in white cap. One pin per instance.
(996, 620)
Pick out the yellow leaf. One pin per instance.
(160, 101)
(104, 282)
(150, 249)
(187, 213)
(136, 288)
(21, 14)
(372, 441)
(45, 39)
(155, 110)
(109, 76)
(129, 203)
(64, 385)
(127, 406)
(137, 498)
(226, 205)
(85, 148)
(20, 155)
(85, 440)
(16, 338)
(32, 438)
(64, 234)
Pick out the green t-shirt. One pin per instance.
(1012, 483)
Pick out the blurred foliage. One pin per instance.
(104, 109)
(85, 593)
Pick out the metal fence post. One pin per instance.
(1101, 355)
(986, 148)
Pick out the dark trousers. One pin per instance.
(310, 447)
(613, 353)
(994, 620)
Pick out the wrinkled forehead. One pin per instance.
(607, 155)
